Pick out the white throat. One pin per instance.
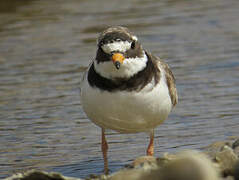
(128, 68)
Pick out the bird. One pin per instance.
(126, 88)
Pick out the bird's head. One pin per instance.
(119, 53)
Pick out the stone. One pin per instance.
(219, 161)
(144, 159)
(236, 171)
(226, 160)
(189, 165)
(39, 175)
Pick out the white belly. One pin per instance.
(127, 112)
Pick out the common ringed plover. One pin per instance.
(126, 88)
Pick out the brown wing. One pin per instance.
(169, 78)
(171, 83)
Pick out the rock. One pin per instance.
(144, 159)
(97, 177)
(219, 158)
(188, 165)
(236, 151)
(223, 154)
(235, 147)
(133, 174)
(236, 171)
(228, 178)
(235, 144)
(39, 175)
(226, 160)
(216, 147)
(142, 168)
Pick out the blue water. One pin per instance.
(45, 46)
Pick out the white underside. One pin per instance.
(127, 112)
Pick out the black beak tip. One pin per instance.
(117, 64)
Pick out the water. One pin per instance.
(46, 45)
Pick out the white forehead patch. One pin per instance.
(121, 46)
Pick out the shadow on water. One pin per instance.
(45, 46)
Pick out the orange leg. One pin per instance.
(104, 148)
(150, 150)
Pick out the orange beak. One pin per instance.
(118, 59)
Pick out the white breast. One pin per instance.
(127, 112)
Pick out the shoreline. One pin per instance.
(218, 161)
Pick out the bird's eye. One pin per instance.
(133, 45)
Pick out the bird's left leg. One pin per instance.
(150, 150)
(104, 148)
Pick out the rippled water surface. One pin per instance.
(46, 45)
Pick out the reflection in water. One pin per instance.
(46, 45)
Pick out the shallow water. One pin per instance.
(46, 45)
